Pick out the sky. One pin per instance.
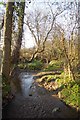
(28, 39)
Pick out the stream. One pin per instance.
(33, 101)
(26, 82)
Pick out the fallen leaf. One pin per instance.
(55, 109)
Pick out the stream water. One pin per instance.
(22, 83)
(26, 81)
(37, 105)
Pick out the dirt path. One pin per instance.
(36, 102)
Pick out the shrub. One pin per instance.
(71, 95)
(54, 65)
(35, 65)
(22, 65)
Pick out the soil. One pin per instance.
(37, 103)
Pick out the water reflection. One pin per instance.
(23, 83)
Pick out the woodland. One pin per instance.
(54, 59)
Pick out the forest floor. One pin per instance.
(36, 102)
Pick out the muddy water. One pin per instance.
(39, 104)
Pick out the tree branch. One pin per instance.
(2, 24)
(27, 23)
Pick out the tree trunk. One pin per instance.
(67, 58)
(16, 50)
(7, 40)
(79, 34)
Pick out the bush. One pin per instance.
(71, 95)
(54, 65)
(63, 79)
(22, 65)
(35, 65)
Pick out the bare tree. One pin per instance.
(40, 26)
(65, 52)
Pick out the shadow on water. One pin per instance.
(22, 84)
(33, 101)
(26, 82)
